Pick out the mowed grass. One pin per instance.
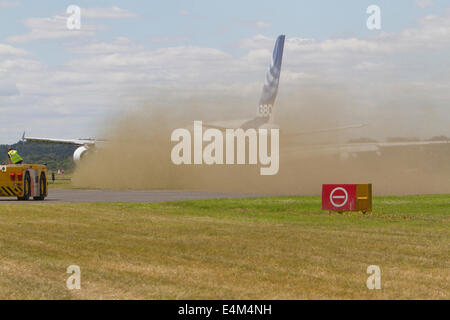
(260, 248)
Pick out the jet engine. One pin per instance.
(79, 153)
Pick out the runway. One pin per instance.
(146, 196)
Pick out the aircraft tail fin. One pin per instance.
(270, 88)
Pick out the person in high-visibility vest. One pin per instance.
(13, 156)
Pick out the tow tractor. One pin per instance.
(23, 181)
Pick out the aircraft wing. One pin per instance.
(236, 124)
(76, 142)
(354, 126)
(223, 125)
(354, 148)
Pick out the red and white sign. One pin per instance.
(339, 197)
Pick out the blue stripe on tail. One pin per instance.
(270, 88)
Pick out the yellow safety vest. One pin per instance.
(14, 156)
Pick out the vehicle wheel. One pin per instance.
(26, 188)
(42, 188)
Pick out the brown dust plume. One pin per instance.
(137, 153)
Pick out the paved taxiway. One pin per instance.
(79, 195)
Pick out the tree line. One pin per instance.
(55, 156)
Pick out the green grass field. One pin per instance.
(268, 248)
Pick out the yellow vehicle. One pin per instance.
(23, 181)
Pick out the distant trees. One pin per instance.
(56, 156)
(362, 140)
(402, 139)
(439, 138)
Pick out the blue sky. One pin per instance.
(69, 81)
(220, 24)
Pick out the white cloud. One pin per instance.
(50, 29)
(294, 76)
(107, 13)
(432, 31)
(20, 65)
(260, 41)
(120, 44)
(165, 62)
(56, 27)
(256, 42)
(7, 50)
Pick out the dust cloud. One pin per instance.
(137, 153)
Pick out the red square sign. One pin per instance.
(339, 197)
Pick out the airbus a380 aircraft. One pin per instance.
(263, 119)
